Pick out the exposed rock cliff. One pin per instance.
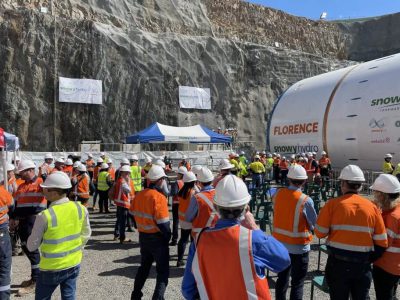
(142, 51)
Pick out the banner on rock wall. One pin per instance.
(193, 97)
(86, 91)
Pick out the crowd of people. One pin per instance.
(47, 209)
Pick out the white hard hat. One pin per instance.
(69, 162)
(104, 166)
(205, 175)
(303, 154)
(263, 152)
(278, 155)
(110, 161)
(25, 165)
(231, 192)
(60, 160)
(148, 159)
(224, 164)
(314, 153)
(189, 177)
(196, 168)
(76, 164)
(10, 167)
(352, 173)
(388, 155)
(242, 153)
(48, 156)
(184, 157)
(58, 180)
(283, 157)
(269, 155)
(386, 183)
(257, 156)
(17, 158)
(297, 173)
(309, 153)
(102, 154)
(160, 163)
(156, 172)
(292, 156)
(99, 160)
(82, 168)
(90, 155)
(257, 152)
(125, 168)
(74, 154)
(133, 157)
(182, 170)
(323, 153)
(125, 161)
(305, 159)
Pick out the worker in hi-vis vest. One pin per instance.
(61, 232)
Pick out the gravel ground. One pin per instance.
(108, 268)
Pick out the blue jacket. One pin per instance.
(267, 253)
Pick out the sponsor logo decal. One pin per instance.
(296, 148)
(377, 125)
(381, 141)
(302, 128)
(387, 104)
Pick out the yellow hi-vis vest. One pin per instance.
(102, 181)
(136, 176)
(397, 170)
(61, 247)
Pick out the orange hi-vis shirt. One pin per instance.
(120, 198)
(390, 260)
(111, 171)
(149, 209)
(351, 223)
(290, 224)
(182, 209)
(206, 214)
(277, 162)
(96, 173)
(186, 165)
(6, 200)
(81, 189)
(12, 185)
(90, 164)
(227, 251)
(284, 165)
(68, 170)
(175, 199)
(29, 198)
(324, 162)
(309, 166)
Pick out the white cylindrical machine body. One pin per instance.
(353, 114)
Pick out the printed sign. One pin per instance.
(193, 97)
(86, 91)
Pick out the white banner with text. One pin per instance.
(193, 97)
(86, 91)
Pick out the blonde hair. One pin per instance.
(386, 201)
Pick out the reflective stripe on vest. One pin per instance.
(297, 214)
(61, 246)
(246, 283)
(212, 214)
(350, 247)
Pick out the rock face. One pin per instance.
(143, 51)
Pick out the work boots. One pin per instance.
(27, 287)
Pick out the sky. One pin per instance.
(336, 9)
